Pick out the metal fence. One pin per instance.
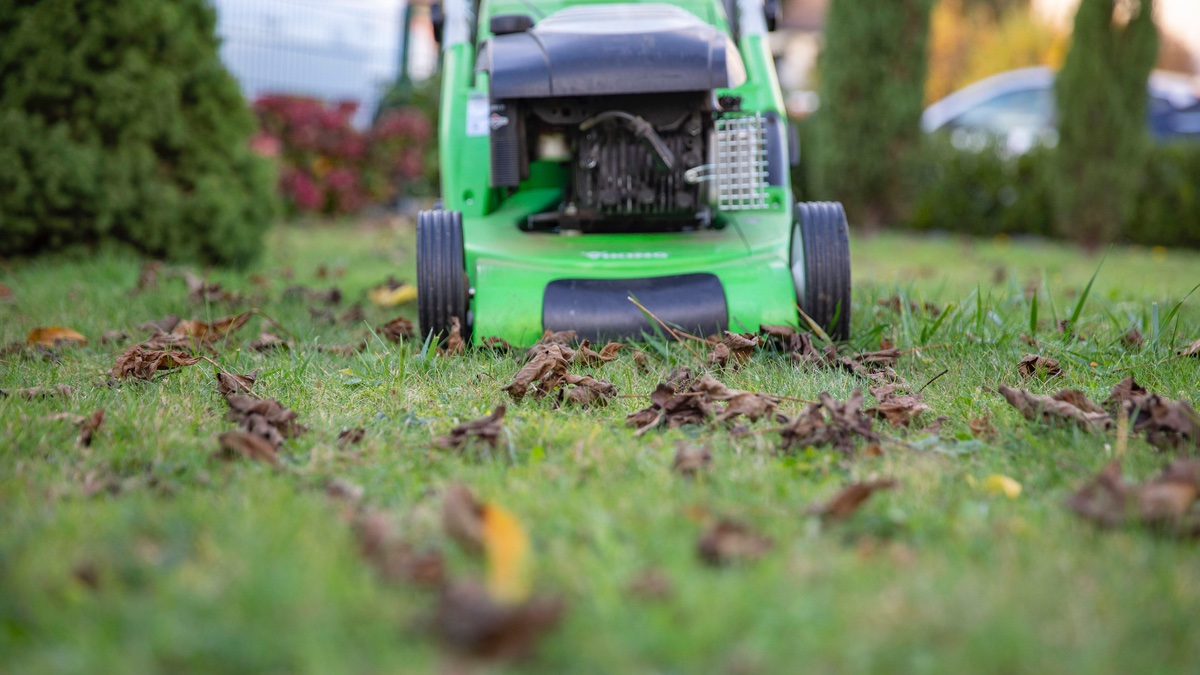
(335, 50)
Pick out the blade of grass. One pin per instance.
(1069, 333)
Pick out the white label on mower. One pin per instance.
(625, 255)
(478, 110)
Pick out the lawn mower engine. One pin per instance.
(636, 172)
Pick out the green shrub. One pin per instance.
(119, 122)
(984, 193)
(1101, 97)
(872, 79)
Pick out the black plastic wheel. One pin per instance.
(821, 265)
(442, 286)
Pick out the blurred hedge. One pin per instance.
(985, 193)
(119, 122)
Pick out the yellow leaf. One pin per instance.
(390, 297)
(346, 371)
(998, 484)
(507, 549)
(52, 336)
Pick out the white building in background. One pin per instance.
(334, 50)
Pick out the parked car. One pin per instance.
(1017, 108)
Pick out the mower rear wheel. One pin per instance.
(821, 265)
(442, 285)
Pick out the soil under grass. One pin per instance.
(141, 553)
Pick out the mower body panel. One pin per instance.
(510, 268)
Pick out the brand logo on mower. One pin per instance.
(625, 255)
(497, 121)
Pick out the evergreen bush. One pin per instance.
(1101, 96)
(119, 122)
(872, 76)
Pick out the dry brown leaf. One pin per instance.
(236, 444)
(585, 390)
(651, 585)
(1062, 406)
(982, 428)
(265, 418)
(738, 347)
(1033, 365)
(233, 383)
(353, 315)
(34, 393)
(544, 371)
(462, 517)
(691, 459)
(163, 325)
(113, 336)
(1126, 390)
(498, 344)
(1166, 423)
(88, 426)
(267, 342)
(1191, 350)
(331, 296)
(201, 291)
(142, 363)
(897, 408)
(455, 346)
(729, 541)
(1133, 340)
(1166, 502)
(398, 329)
(849, 499)
(208, 332)
(147, 276)
(470, 622)
(394, 559)
(53, 337)
(749, 404)
(486, 429)
(829, 422)
(351, 436)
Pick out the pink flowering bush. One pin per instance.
(327, 166)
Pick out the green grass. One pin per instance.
(203, 566)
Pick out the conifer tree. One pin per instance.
(1101, 97)
(872, 77)
(119, 122)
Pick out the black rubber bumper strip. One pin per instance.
(599, 309)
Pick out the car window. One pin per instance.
(1025, 109)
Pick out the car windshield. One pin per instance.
(1024, 109)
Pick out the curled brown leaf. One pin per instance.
(486, 429)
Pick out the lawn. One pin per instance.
(144, 553)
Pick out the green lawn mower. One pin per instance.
(595, 151)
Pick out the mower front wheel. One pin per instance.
(442, 285)
(820, 261)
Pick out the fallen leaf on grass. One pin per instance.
(1191, 350)
(486, 429)
(651, 585)
(829, 422)
(394, 559)
(586, 356)
(897, 408)
(849, 499)
(690, 460)
(982, 428)
(1166, 502)
(353, 315)
(696, 401)
(147, 276)
(392, 293)
(998, 484)
(351, 436)
(1067, 405)
(729, 541)
(331, 296)
(233, 383)
(236, 444)
(1133, 340)
(142, 363)
(462, 517)
(163, 325)
(585, 390)
(1166, 423)
(208, 332)
(1033, 365)
(33, 393)
(471, 622)
(735, 346)
(88, 426)
(544, 371)
(265, 418)
(53, 337)
(201, 291)
(455, 345)
(1126, 390)
(267, 342)
(397, 329)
